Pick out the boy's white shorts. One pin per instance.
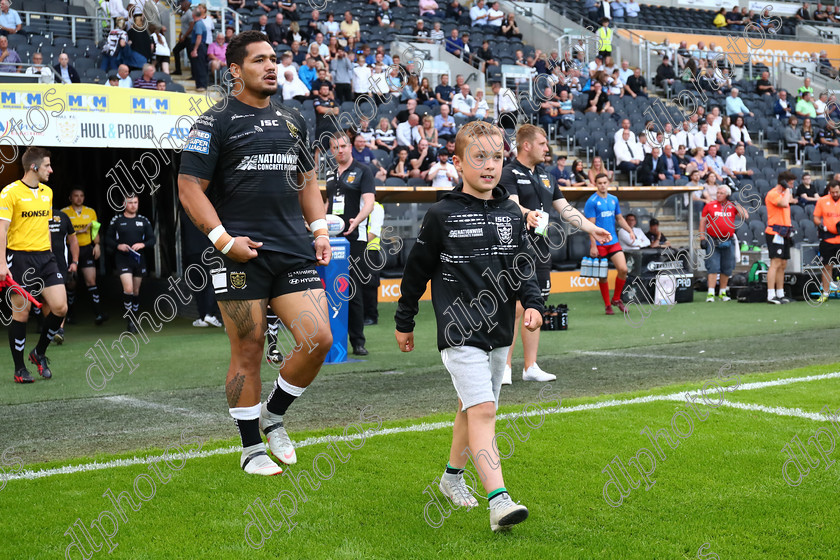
(476, 373)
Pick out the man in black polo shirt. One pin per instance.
(444, 92)
(350, 194)
(324, 125)
(536, 192)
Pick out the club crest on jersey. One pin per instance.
(546, 183)
(351, 178)
(237, 280)
(505, 231)
(293, 130)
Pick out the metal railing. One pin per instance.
(48, 18)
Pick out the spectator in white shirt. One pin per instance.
(737, 163)
(408, 132)
(628, 153)
(704, 137)
(625, 126)
(361, 77)
(463, 106)
(45, 73)
(125, 79)
(481, 105)
(443, 174)
(478, 14)
(625, 71)
(738, 132)
(293, 87)
(495, 17)
(683, 137)
(504, 104)
(714, 128)
(624, 240)
(819, 107)
(643, 142)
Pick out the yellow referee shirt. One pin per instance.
(29, 213)
(80, 221)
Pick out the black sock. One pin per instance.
(453, 470)
(135, 303)
(280, 399)
(94, 296)
(17, 342)
(52, 323)
(249, 432)
(127, 300)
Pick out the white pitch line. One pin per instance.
(661, 357)
(139, 403)
(426, 427)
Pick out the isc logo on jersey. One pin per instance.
(268, 162)
(606, 213)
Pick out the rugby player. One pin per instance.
(536, 192)
(82, 218)
(26, 256)
(247, 181)
(128, 235)
(602, 209)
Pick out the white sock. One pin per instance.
(723, 291)
(711, 292)
(780, 294)
(771, 294)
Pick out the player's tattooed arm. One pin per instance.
(191, 191)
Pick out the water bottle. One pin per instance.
(585, 267)
(603, 269)
(563, 313)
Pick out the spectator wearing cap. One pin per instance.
(10, 22)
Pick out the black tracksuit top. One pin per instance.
(480, 261)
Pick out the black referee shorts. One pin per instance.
(124, 263)
(86, 259)
(28, 267)
(266, 276)
(829, 251)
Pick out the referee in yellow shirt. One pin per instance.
(26, 255)
(82, 218)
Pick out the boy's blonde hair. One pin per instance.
(472, 131)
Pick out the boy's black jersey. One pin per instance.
(479, 259)
(252, 158)
(60, 228)
(129, 231)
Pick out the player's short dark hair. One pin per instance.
(599, 175)
(34, 155)
(238, 46)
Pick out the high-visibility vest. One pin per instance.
(606, 35)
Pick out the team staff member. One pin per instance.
(83, 218)
(247, 181)
(26, 256)
(602, 209)
(718, 221)
(62, 238)
(826, 217)
(778, 235)
(129, 234)
(350, 194)
(533, 188)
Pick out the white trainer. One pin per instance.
(212, 321)
(505, 513)
(279, 443)
(710, 298)
(200, 323)
(256, 461)
(534, 373)
(457, 490)
(507, 378)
